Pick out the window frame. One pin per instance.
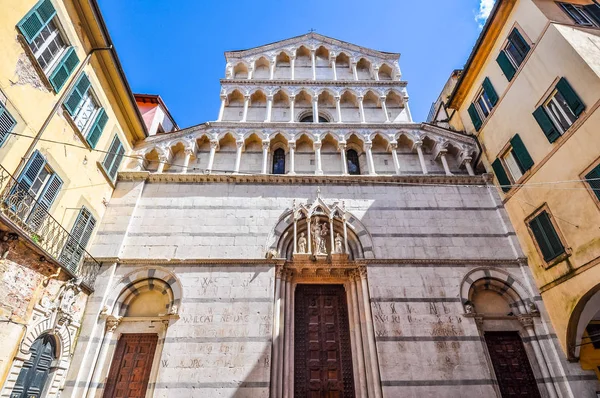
(274, 160)
(509, 172)
(49, 69)
(106, 171)
(359, 171)
(551, 98)
(583, 178)
(582, 13)
(508, 43)
(480, 95)
(5, 135)
(86, 130)
(567, 249)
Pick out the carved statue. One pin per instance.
(302, 243)
(469, 308)
(319, 232)
(339, 242)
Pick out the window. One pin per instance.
(89, 117)
(37, 181)
(309, 119)
(512, 164)
(546, 237)
(279, 161)
(113, 158)
(7, 123)
(586, 15)
(353, 165)
(513, 54)
(41, 30)
(484, 102)
(80, 236)
(593, 179)
(559, 111)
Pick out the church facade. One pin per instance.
(313, 241)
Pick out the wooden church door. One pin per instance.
(34, 373)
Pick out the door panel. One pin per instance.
(511, 365)
(323, 357)
(130, 369)
(34, 373)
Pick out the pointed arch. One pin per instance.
(240, 70)
(363, 69)
(385, 72)
(261, 68)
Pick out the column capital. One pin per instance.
(239, 144)
(382, 98)
(342, 145)
(223, 97)
(362, 272)
(317, 145)
(266, 144)
(246, 97)
(465, 160)
(292, 144)
(360, 98)
(112, 322)
(270, 97)
(526, 321)
(315, 98)
(292, 97)
(393, 145)
(417, 144)
(214, 144)
(188, 151)
(367, 145)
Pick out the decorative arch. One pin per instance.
(585, 310)
(240, 70)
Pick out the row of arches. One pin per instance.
(347, 106)
(318, 64)
(306, 154)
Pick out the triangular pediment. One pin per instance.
(311, 41)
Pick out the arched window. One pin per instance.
(34, 373)
(353, 165)
(309, 119)
(279, 161)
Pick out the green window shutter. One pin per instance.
(80, 236)
(113, 157)
(507, 67)
(521, 154)
(522, 42)
(74, 99)
(96, 130)
(490, 91)
(593, 178)
(7, 123)
(63, 70)
(501, 175)
(475, 117)
(594, 11)
(546, 236)
(546, 124)
(571, 96)
(36, 19)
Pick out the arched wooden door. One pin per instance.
(34, 373)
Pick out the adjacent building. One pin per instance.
(530, 94)
(313, 240)
(67, 121)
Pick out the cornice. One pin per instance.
(335, 83)
(308, 179)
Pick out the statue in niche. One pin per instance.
(319, 232)
(302, 243)
(339, 242)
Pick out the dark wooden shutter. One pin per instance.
(80, 237)
(546, 236)
(546, 124)
(521, 154)
(475, 117)
(490, 91)
(36, 19)
(97, 128)
(571, 96)
(593, 178)
(501, 175)
(7, 123)
(113, 158)
(507, 67)
(520, 41)
(64, 69)
(594, 11)
(76, 96)
(31, 170)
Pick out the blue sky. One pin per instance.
(175, 48)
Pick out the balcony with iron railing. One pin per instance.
(30, 219)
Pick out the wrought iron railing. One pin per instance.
(19, 208)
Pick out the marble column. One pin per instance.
(376, 73)
(292, 103)
(334, 71)
(370, 333)
(222, 108)
(162, 160)
(251, 71)
(527, 322)
(364, 338)
(112, 323)
(338, 108)
(293, 66)
(283, 333)
(467, 162)
(361, 108)
(394, 147)
(276, 333)
(342, 148)
(211, 156)
(443, 153)
(354, 71)
(369, 152)
(246, 103)
(239, 145)
(186, 160)
(360, 357)
(384, 108)
(265, 147)
(272, 69)
(314, 64)
(317, 148)
(315, 102)
(292, 148)
(269, 108)
(419, 147)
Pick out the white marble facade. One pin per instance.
(227, 218)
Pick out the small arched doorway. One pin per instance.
(35, 372)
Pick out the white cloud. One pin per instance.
(485, 8)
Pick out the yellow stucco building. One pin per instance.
(67, 122)
(530, 93)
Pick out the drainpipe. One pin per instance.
(57, 105)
